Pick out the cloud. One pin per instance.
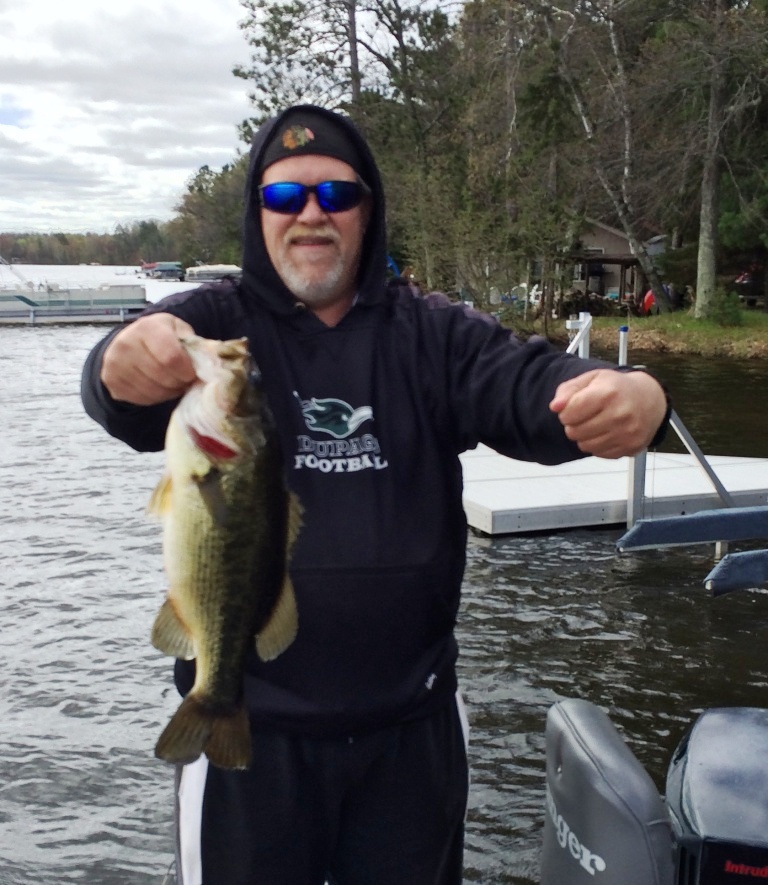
(107, 110)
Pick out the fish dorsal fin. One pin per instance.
(295, 514)
(170, 635)
(281, 628)
(160, 500)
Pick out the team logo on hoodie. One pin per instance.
(344, 453)
(334, 416)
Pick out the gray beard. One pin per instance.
(313, 292)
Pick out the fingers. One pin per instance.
(567, 389)
(145, 363)
(608, 413)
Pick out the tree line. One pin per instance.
(500, 126)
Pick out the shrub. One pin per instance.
(726, 309)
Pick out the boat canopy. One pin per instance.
(211, 272)
(166, 270)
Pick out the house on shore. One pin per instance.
(603, 261)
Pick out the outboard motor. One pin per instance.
(717, 795)
(605, 822)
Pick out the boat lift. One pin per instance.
(729, 523)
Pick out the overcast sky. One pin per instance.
(108, 108)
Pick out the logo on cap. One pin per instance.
(297, 136)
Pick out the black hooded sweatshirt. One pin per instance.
(372, 415)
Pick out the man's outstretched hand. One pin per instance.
(610, 414)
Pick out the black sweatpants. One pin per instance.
(386, 808)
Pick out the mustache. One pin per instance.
(326, 231)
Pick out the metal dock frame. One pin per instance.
(735, 571)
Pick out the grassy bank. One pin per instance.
(672, 333)
(683, 333)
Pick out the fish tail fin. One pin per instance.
(229, 745)
(194, 729)
(185, 736)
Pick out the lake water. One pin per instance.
(84, 695)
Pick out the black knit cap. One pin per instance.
(307, 132)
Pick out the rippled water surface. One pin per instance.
(84, 695)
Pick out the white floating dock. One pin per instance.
(504, 496)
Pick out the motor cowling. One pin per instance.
(717, 798)
(605, 821)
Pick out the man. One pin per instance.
(359, 771)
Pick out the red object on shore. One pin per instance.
(649, 303)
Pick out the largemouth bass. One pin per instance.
(228, 527)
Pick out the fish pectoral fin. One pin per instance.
(280, 630)
(209, 486)
(170, 635)
(160, 500)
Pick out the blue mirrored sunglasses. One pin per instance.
(290, 197)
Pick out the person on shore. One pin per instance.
(359, 770)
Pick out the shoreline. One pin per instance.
(660, 341)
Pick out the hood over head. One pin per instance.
(306, 129)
